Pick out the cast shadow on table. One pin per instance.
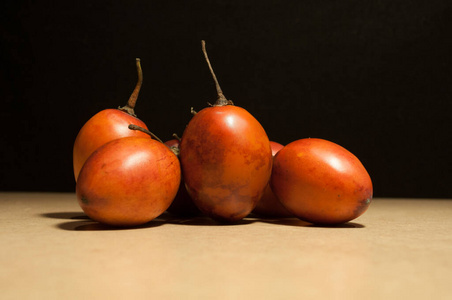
(90, 225)
(300, 223)
(66, 215)
(81, 222)
(291, 221)
(200, 220)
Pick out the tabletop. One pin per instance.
(398, 249)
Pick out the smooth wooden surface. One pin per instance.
(399, 249)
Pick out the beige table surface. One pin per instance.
(399, 249)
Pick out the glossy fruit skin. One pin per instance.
(103, 127)
(321, 182)
(182, 205)
(128, 181)
(226, 161)
(269, 205)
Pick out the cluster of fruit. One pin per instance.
(224, 167)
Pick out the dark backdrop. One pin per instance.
(372, 76)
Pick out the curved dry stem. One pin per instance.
(177, 137)
(130, 106)
(139, 128)
(221, 100)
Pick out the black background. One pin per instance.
(372, 76)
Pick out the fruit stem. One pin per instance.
(221, 100)
(130, 106)
(177, 137)
(136, 127)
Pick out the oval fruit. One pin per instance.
(107, 125)
(226, 161)
(103, 127)
(128, 181)
(321, 182)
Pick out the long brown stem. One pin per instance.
(134, 96)
(221, 100)
(130, 106)
(136, 127)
